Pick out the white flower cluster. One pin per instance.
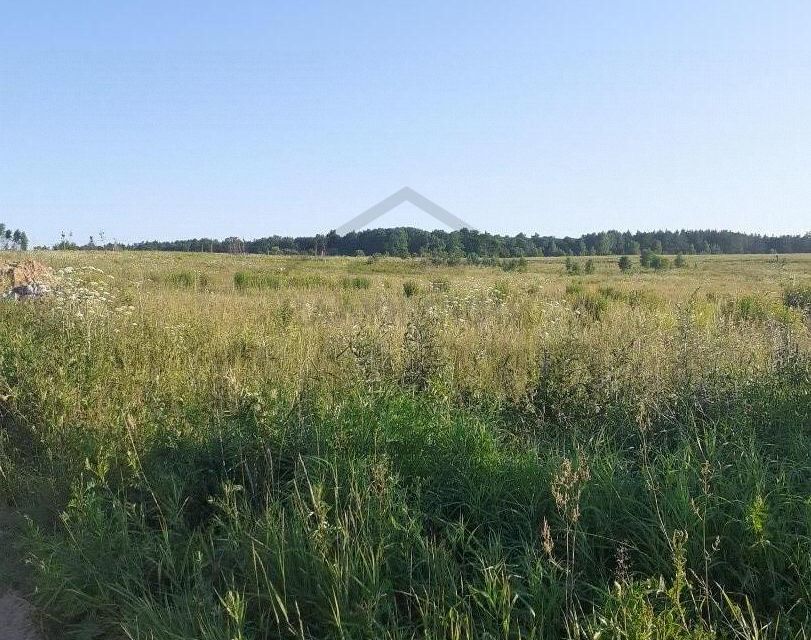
(84, 293)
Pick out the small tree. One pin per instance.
(397, 243)
(624, 264)
(589, 266)
(680, 261)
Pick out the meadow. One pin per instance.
(236, 447)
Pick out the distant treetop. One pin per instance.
(408, 241)
(15, 240)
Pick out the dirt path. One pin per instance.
(17, 621)
(15, 618)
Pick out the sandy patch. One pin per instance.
(15, 618)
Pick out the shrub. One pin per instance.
(652, 260)
(589, 268)
(610, 293)
(572, 266)
(643, 298)
(659, 262)
(624, 263)
(410, 288)
(244, 280)
(514, 264)
(187, 279)
(748, 308)
(500, 291)
(424, 358)
(574, 288)
(358, 282)
(592, 305)
(307, 281)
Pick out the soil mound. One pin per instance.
(26, 272)
(25, 279)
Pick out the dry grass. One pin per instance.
(250, 446)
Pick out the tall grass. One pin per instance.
(505, 456)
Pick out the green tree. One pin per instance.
(397, 243)
(624, 264)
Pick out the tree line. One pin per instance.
(408, 241)
(15, 240)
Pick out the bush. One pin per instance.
(651, 260)
(592, 305)
(748, 308)
(410, 288)
(358, 282)
(659, 262)
(500, 291)
(680, 261)
(589, 269)
(514, 264)
(187, 279)
(572, 266)
(611, 293)
(624, 263)
(244, 280)
(574, 288)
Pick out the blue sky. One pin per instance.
(169, 119)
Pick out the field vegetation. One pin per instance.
(213, 446)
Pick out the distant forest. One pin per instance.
(15, 240)
(407, 241)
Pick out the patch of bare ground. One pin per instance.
(25, 272)
(16, 618)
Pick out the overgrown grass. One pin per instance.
(443, 455)
(187, 279)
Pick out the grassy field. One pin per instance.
(238, 447)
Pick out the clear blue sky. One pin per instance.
(170, 119)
